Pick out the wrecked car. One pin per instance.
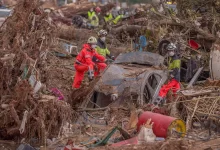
(190, 64)
(4, 13)
(134, 75)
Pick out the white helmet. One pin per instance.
(171, 47)
(92, 40)
(102, 33)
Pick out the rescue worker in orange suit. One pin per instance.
(84, 62)
(174, 64)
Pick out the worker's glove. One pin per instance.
(171, 74)
(91, 75)
(95, 60)
(113, 57)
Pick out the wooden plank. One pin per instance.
(196, 93)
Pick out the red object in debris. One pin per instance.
(193, 44)
(98, 9)
(162, 124)
(132, 141)
(57, 92)
(70, 146)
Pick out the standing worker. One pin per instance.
(92, 16)
(84, 62)
(174, 70)
(101, 45)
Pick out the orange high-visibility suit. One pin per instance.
(84, 63)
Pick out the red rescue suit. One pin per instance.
(172, 84)
(84, 63)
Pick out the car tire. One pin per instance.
(162, 47)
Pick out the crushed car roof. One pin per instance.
(144, 58)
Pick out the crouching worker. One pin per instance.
(174, 70)
(84, 62)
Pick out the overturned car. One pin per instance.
(135, 76)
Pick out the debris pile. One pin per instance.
(38, 48)
(26, 38)
(201, 107)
